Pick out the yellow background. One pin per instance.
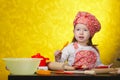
(31, 26)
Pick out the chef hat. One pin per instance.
(89, 20)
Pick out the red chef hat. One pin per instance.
(89, 20)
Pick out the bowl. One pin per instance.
(22, 66)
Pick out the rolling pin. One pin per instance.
(105, 70)
(96, 71)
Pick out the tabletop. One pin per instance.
(74, 76)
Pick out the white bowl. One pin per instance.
(22, 66)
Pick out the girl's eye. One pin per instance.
(85, 30)
(78, 29)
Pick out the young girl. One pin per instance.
(81, 53)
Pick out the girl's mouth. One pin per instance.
(81, 37)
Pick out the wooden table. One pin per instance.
(54, 76)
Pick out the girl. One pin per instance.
(81, 53)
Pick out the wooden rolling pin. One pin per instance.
(94, 71)
(105, 70)
(90, 72)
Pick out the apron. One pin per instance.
(84, 58)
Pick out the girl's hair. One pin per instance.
(89, 43)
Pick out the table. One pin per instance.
(65, 77)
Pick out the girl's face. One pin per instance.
(81, 33)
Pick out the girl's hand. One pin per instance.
(58, 55)
(110, 65)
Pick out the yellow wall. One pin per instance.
(31, 26)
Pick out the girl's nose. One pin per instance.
(81, 31)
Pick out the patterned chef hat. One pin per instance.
(89, 20)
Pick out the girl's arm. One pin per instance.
(62, 55)
(58, 53)
(100, 64)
